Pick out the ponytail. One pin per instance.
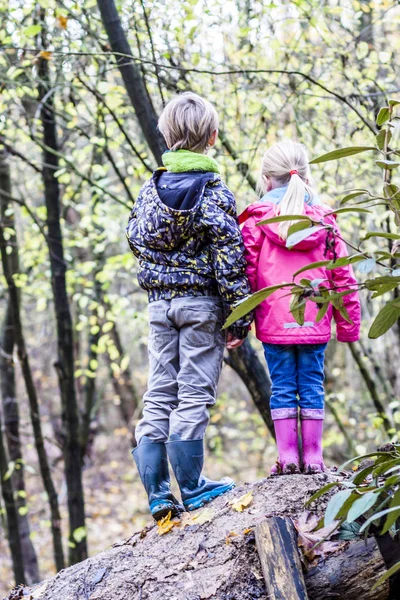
(287, 164)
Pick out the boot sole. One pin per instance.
(202, 499)
(159, 511)
(314, 469)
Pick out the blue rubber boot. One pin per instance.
(187, 459)
(152, 463)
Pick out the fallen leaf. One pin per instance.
(248, 530)
(196, 518)
(230, 536)
(39, 591)
(242, 502)
(62, 21)
(166, 524)
(310, 541)
(45, 54)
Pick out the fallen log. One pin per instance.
(276, 542)
(212, 554)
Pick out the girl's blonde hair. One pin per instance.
(287, 163)
(187, 122)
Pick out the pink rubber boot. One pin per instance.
(288, 447)
(311, 433)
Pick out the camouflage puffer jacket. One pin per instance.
(194, 252)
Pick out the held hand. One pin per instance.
(232, 342)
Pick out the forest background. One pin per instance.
(77, 141)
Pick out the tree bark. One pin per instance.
(132, 78)
(214, 555)
(276, 541)
(8, 389)
(371, 385)
(252, 372)
(65, 345)
(14, 539)
(9, 271)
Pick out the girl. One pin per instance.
(294, 353)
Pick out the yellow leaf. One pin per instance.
(45, 54)
(242, 502)
(248, 530)
(230, 536)
(196, 518)
(165, 524)
(62, 21)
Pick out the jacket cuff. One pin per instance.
(239, 332)
(348, 338)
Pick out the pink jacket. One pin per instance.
(270, 262)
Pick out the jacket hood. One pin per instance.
(164, 227)
(314, 235)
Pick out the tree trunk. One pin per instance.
(11, 430)
(13, 534)
(211, 554)
(65, 345)
(370, 382)
(9, 271)
(252, 372)
(8, 390)
(132, 77)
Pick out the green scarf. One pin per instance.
(179, 161)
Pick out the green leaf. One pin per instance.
(301, 235)
(383, 115)
(323, 491)
(281, 218)
(334, 506)
(23, 510)
(348, 531)
(385, 319)
(381, 138)
(362, 505)
(392, 102)
(32, 30)
(386, 575)
(363, 456)
(348, 209)
(79, 534)
(298, 227)
(341, 153)
(388, 236)
(360, 476)
(314, 265)
(353, 194)
(322, 312)
(387, 164)
(343, 311)
(251, 302)
(343, 261)
(392, 517)
(379, 515)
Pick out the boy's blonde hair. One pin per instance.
(277, 164)
(187, 122)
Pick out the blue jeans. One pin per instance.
(297, 376)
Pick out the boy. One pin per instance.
(184, 231)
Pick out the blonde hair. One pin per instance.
(278, 162)
(187, 122)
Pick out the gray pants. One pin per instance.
(186, 347)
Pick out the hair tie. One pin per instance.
(294, 172)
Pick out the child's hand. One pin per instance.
(232, 342)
